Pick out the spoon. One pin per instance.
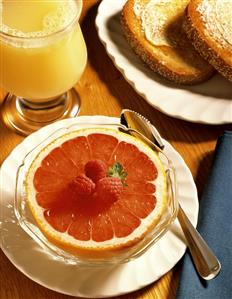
(205, 261)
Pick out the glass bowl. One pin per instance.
(28, 224)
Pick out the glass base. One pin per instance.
(25, 117)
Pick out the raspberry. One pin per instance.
(95, 170)
(83, 185)
(109, 188)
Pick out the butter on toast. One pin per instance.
(208, 24)
(153, 29)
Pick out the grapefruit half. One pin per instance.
(88, 226)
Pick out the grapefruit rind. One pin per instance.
(91, 247)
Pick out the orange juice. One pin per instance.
(42, 50)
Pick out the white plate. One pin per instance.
(38, 265)
(209, 102)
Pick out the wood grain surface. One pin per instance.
(104, 91)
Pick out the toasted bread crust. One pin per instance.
(207, 47)
(172, 63)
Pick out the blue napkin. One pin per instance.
(215, 225)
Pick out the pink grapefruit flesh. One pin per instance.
(90, 219)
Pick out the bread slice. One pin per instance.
(169, 52)
(208, 24)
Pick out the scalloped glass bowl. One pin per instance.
(28, 224)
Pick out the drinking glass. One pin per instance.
(39, 69)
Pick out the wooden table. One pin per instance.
(104, 91)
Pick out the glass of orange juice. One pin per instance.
(42, 56)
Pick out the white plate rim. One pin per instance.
(207, 110)
(117, 288)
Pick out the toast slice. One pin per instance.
(208, 24)
(153, 29)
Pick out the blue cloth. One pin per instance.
(215, 225)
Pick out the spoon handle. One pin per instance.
(205, 261)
